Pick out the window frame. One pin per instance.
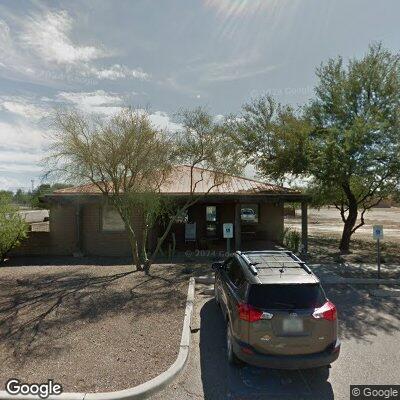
(213, 223)
(104, 230)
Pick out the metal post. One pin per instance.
(228, 246)
(379, 258)
(304, 227)
(237, 227)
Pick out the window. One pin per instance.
(111, 220)
(211, 221)
(249, 213)
(211, 213)
(183, 217)
(283, 297)
(235, 273)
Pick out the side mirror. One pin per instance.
(216, 266)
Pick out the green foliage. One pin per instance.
(6, 195)
(42, 190)
(32, 199)
(345, 142)
(13, 228)
(291, 239)
(22, 198)
(355, 140)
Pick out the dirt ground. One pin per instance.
(89, 327)
(325, 229)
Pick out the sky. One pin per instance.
(165, 55)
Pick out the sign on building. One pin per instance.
(228, 231)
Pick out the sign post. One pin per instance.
(228, 235)
(377, 234)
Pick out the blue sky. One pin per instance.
(165, 54)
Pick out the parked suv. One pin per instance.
(277, 314)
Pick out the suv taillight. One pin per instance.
(249, 313)
(327, 311)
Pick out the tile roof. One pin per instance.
(179, 183)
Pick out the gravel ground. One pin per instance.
(89, 327)
(325, 229)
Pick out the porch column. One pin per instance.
(304, 227)
(237, 227)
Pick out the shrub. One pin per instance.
(291, 239)
(13, 227)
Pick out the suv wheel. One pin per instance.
(232, 358)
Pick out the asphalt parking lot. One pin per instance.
(369, 329)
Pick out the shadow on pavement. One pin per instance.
(361, 315)
(223, 381)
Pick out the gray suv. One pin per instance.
(277, 314)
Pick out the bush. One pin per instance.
(13, 227)
(291, 239)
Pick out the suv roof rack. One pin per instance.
(294, 261)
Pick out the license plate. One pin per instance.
(292, 325)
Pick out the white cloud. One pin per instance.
(22, 107)
(161, 120)
(21, 150)
(40, 48)
(118, 71)
(99, 102)
(21, 137)
(48, 36)
(7, 183)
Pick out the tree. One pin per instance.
(41, 190)
(13, 228)
(345, 142)
(203, 146)
(130, 162)
(22, 198)
(124, 157)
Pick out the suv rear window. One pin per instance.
(283, 297)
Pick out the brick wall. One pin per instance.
(101, 243)
(62, 238)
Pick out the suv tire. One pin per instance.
(232, 358)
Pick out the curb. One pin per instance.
(145, 389)
(206, 280)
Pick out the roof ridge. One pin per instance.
(238, 176)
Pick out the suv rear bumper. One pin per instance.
(298, 361)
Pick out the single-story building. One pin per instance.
(82, 221)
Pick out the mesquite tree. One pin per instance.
(125, 157)
(345, 141)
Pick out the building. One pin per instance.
(81, 221)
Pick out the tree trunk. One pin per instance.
(145, 259)
(160, 241)
(135, 253)
(350, 220)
